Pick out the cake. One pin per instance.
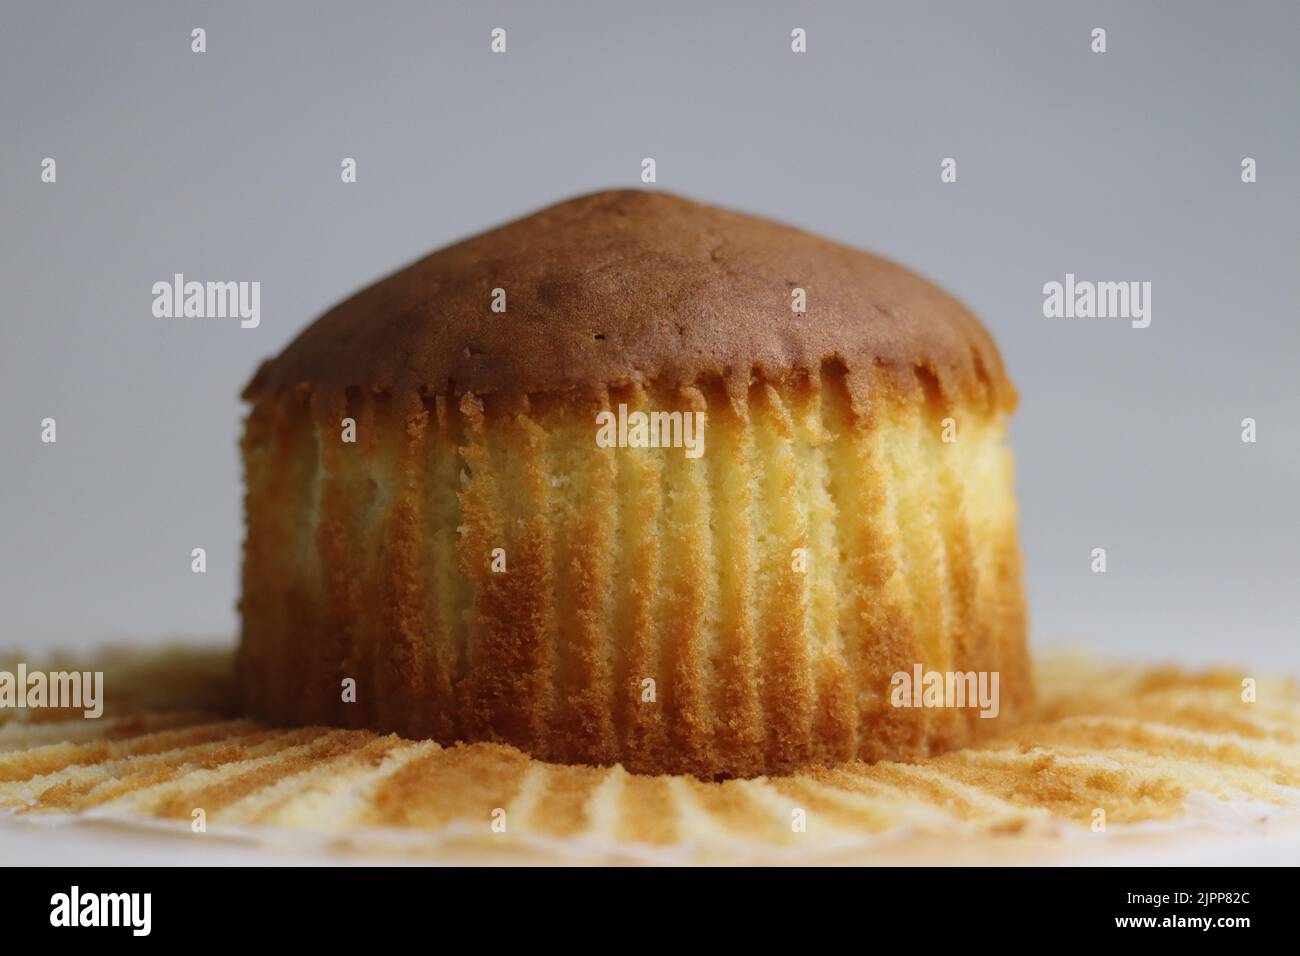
(636, 480)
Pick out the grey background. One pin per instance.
(226, 166)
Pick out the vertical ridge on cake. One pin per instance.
(435, 520)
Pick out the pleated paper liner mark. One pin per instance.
(1119, 745)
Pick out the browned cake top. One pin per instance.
(627, 286)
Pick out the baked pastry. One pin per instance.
(498, 556)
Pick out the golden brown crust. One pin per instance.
(649, 612)
(625, 287)
(626, 565)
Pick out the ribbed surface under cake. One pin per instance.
(1146, 745)
(373, 561)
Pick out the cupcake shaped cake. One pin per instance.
(637, 480)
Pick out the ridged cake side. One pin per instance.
(374, 560)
